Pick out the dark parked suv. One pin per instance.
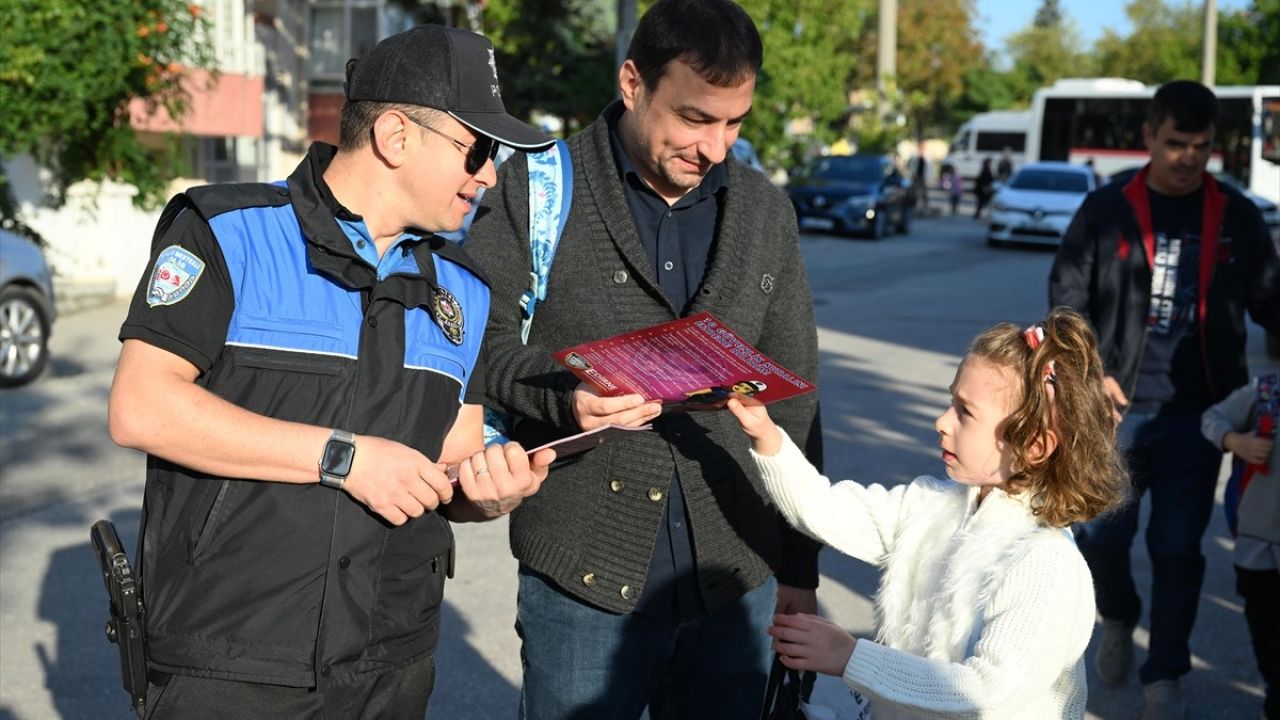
(852, 194)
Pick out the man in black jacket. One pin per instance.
(301, 364)
(1165, 268)
(648, 566)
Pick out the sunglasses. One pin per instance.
(478, 153)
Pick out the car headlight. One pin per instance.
(859, 202)
(999, 206)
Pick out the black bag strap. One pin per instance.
(784, 691)
(776, 675)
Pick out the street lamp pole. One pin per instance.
(626, 26)
(887, 51)
(1208, 59)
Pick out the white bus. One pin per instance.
(985, 137)
(1101, 119)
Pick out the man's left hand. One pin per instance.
(793, 600)
(495, 480)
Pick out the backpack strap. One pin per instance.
(550, 196)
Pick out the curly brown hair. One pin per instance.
(1086, 475)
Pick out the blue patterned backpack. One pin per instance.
(550, 196)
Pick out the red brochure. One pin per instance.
(694, 363)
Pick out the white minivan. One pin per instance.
(985, 136)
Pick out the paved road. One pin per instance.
(894, 316)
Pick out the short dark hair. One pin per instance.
(358, 117)
(1192, 106)
(715, 37)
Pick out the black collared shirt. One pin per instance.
(679, 239)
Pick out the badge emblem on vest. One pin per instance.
(174, 275)
(447, 313)
(766, 283)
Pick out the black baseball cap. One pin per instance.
(447, 69)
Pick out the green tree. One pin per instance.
(938, 47)
(986, 88)
(1049, 14)
(1043, 53)
(68, 71)
(1164, 44)
(810, 56)
(1265, 15)
(559, 56)
(1249, 45)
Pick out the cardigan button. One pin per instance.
(626, 592)
(655, 494)
(616, 485)
(620, 277)
(589, 579)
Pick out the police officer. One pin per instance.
(301, 363)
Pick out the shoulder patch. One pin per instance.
(174, 275)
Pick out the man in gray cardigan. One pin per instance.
(651, 566)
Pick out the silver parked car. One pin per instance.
(1038, 202)
(26, 310)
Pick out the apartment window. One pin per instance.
(339, 31)
(222, 158)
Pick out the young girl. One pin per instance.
(985, 606)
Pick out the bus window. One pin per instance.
(1271, 129)
(1233, 136)
(995, 141)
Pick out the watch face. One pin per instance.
(338, 457)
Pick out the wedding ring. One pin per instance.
(482, 471)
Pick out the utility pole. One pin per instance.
(887, 51)
(626, 26)
(1208, 60)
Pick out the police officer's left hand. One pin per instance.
(494, 481)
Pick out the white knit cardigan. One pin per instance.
(983, 611)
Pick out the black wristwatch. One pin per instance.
(339, 455)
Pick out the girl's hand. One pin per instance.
(808, 642)
(755, 422)
(1248, 446)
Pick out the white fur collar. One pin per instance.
(945, 564)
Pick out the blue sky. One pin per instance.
(997, 19)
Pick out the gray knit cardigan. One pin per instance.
(592, 526)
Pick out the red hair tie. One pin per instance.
(1034, 336)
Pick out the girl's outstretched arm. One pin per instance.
(856, 520)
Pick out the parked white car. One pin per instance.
(1037, 204)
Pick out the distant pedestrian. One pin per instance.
(953, 185)
(921, 181)
(1097, 179)
(1004, 168)
(983, 188)
(985, 605)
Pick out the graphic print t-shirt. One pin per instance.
(1172, 375)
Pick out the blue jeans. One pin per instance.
(582, 663)
(1167, 456)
